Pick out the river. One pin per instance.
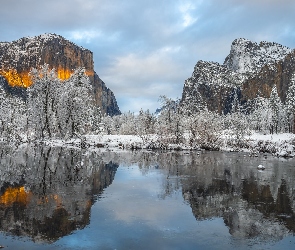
(61, 198)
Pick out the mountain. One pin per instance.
(249, 57)
(250, 70)
(17, 58)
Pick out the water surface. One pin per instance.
(57, 198)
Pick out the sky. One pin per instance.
(146, 48)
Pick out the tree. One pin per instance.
(13, 113)
(61, 109)
(169, 121)
(42, 102)
(275, 106)
(290, 104)
(77, 113)
(260, 118)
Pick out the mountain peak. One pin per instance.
(18, 57)
(248, 57)
(42, 39)
(216, 84)
(241, 41)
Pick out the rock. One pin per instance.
(249, 57)
(211, 84)
(250, 70)
(17, 58)
(260, 167)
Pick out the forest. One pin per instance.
(65, 109)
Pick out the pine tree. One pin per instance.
(275, 106)
(290, 104)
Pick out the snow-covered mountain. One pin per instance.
(250, 69)
(18, 57)
(249, 57)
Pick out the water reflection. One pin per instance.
(47, 193)
(252, 203)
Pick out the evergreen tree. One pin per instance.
(275, 106)
(290, 105)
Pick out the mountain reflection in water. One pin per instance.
(47, 193)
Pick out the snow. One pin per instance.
(213, 73)
(28, 47)
(271, 137)
(247, 56)
(280, 145)
(204, 129)
(260, 167)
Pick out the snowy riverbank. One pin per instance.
(282, 145)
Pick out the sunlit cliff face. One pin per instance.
(64, 74)
(23, 79)
(16, 79)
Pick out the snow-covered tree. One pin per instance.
(76, 112)
(203, 129)
(260, 117)
(275, 106)
(41, 102)
(290, 105)
(13, 113)
(169, 121)
(61, 108)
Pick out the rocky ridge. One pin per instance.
(249, 57)
(250, 69)
(17, 58)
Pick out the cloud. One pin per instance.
(143, 70)
(185, 9)
(87, 36)
(146, 77)
(146, 48)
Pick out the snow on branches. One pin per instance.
(53, 108)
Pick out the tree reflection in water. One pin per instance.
(46, 193)
(252, 203)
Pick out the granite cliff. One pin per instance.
(17, 58)
(251, 69)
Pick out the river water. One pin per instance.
(58, 198)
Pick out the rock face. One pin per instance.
(212, 84)
(104, 97)
(248, 57)
(17, 58)
(278, 74)
(250, 70)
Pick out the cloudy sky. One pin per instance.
(147, 48)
